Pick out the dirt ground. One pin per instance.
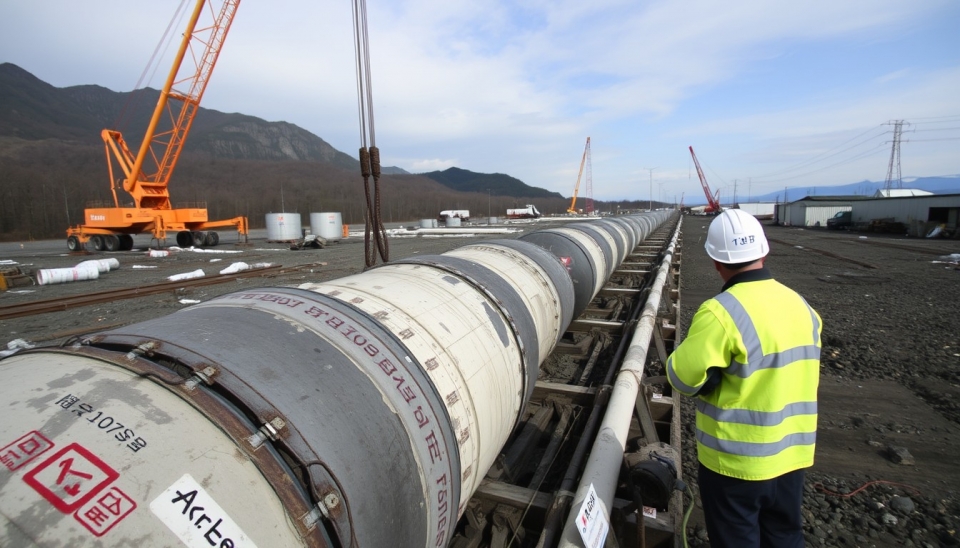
(890, 378)
(890, 372)
(337, 260)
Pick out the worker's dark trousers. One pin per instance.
(750, 514)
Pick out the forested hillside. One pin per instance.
(53, 165)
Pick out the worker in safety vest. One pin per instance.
(752, 359)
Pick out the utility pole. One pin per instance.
(734, 192)
(650, 169)
(488, 204)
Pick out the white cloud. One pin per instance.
(434, 164)
(502, 86)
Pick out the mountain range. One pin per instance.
(937, 185)
(52, 164)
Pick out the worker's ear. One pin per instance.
(718, 265)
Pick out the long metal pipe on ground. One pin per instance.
(606, 455)
(362, 411)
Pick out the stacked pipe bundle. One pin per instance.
(359, 411)
(86, 270)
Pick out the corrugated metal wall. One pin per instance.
(913, 211)
(904, 210)
(816, 215)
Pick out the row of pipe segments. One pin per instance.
(361, 411)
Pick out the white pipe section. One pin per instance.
(103, 265)
(539, 294)
(461, 231)
(198, 273)
(606, 455)
(472, 359)
(591, 247)
(50, 276)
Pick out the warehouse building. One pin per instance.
(912, 215)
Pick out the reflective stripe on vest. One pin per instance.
(675, 380)
(757, 418)
(749, 449)
(756, 359)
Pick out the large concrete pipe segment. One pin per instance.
(589, 250)
(582, 256)
(362, 411)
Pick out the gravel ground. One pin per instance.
(890, 382)
(337, 260)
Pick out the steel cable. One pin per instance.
(375, 236)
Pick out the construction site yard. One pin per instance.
(887, 471)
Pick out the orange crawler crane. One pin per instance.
(147, 174)
(583, 161)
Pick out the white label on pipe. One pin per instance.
(196, 519)
(591, 521)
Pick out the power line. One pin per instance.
(824, 153)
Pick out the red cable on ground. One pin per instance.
(819, 487)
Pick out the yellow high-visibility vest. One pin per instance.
(760, 422)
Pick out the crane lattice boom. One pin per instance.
(713, 201)
(583, 161)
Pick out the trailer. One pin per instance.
(462, 214)
(528, 211)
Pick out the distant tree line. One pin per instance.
(47, 184)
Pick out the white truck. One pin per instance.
(528, 211)
(462, 214)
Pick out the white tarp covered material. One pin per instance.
(198, 273)
(14, 346)
(237, 267)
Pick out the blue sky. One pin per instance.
(770, 94)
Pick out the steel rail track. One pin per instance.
(64, 303)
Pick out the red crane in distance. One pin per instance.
(713, 201)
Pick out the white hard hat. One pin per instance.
(736, 236)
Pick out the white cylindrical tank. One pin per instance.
(283, 227)
(328, 225)
(427, 223)
(493, 221)
(453, 221)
